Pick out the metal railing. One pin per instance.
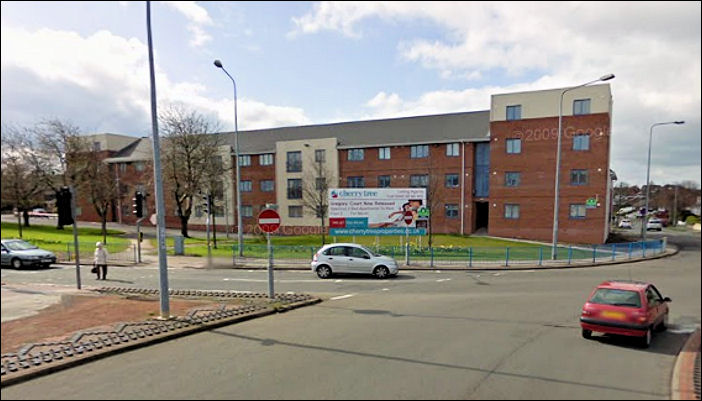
(117, 254)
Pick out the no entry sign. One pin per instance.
(268, 220)
(409, 216)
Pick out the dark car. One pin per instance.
(627, 308)
(19, 253)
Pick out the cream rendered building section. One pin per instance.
(543, 104)
(308, 175)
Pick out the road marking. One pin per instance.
(338, 281)
(443, 279)
(385, 289)
(342, 297)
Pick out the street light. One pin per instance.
(644, 220)
(239, 230)
(554, 248)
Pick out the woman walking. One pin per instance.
(100, 260)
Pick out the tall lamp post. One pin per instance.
(644, 220)
(239, 230)
(554, 249)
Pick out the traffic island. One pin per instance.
(37, 359)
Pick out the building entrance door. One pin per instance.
(481, 216)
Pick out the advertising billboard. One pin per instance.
(377, 211)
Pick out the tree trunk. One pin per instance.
(104, 229)
(322, 231)
(184, 226)
(19, 222)
(25, 215)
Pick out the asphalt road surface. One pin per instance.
(424, 335)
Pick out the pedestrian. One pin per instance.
(100, 261)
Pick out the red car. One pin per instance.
(629, 308)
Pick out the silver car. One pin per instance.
(351, 258)
(18, 254)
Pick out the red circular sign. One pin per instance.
(268, 220)
(409, 217)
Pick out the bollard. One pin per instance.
(643, 249)
(594, 253)
(431, 257)
(541, 255)
(614, 248)
(470, 257)
(570, 253)
(506, 256)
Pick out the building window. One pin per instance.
(265, 159)
(384, 153)
(245, 186)
(244, 160)
(123, 167)
(419, 181)
(578, 177)
(295, 188)
(267, 185)
(451, 180)
(419, 151)
(139, 166)
(294, 211)
(96, 146)
(514, 146)
(511, 211)
(246, 211)
(514, 112)
(577, 211)
(383, 181)
(452, 149)
(581, 106)
(512, 179)
(294, 162)
(356, 182)
(320, 155)
(355, 154)
(321, 184)
(451, 211)
(581, 142)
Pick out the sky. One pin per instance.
(304, 63)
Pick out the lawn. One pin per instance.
(59, 241)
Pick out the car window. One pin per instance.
(652, 298)
(357, 253)
(607, 296)
(19, 245)
(335, 251)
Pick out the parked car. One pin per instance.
(625, 223)
(654, 224)
(351, 258)
(19, 253)
(628, 308)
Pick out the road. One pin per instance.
(426, 335)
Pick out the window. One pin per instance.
(383, 181)
(267, 185)
(294, 189)
(320, 155)
(245, 186)
(451, 211)
(336, 251)
(451, 180)
(514, 112)
(419, 151)
(265, 159)
(577, 211)
(295, 211)
(581, 142)
(452, 149)
(244, 160)
(96, 146)
(357, 253)
(581, 106)
(123, 167)
(578, 177)
(511, 211)
(294, 162)
(356, 182)
(512, 179)
(355, 154)
(514, 145)
(419, 181)
(246, 211)
(384, 153)
(321, 184)
(139, 166)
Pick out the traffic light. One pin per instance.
(138, 204)
(207, 204)
(63, 205)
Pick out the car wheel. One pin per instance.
(381, 272)
(587, 334)
(324, 271)
(646, 340)
(16, 263)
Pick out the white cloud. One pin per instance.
(198, 17)
(100, 82)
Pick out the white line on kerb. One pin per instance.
(342, 297)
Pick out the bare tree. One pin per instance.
(213, 184)
(315, 189)
(189, 146)
(96, 180)
(21, 186)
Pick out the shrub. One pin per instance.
(691, 220)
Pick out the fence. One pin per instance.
(117, 253)
(475, 256)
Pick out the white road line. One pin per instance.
(443, 279)
(385, 289)
(342, 297)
